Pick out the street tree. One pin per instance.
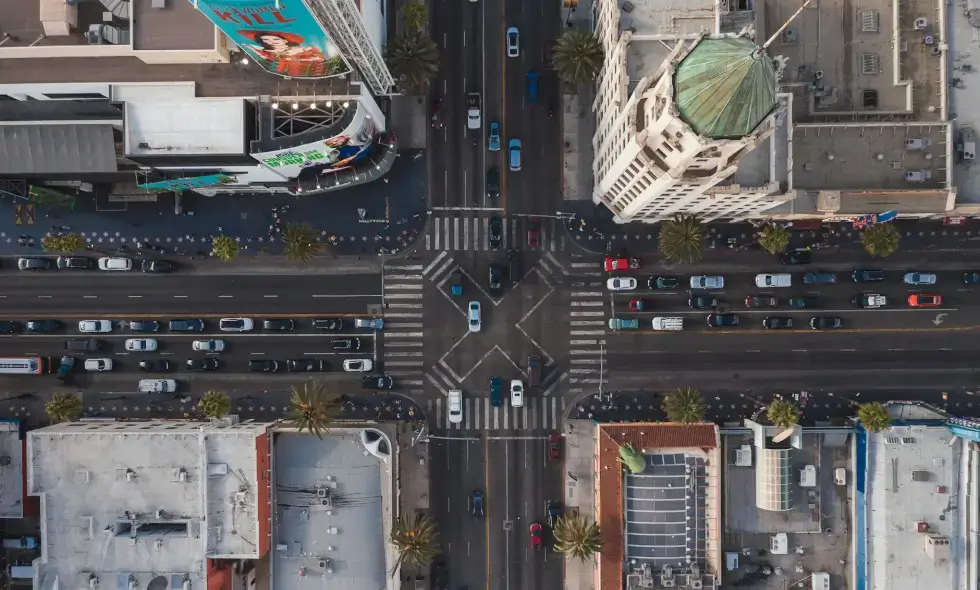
(577, 537)
(72, 243)
(214, 404)
(773, 238)
(224, 248)
(312, 408)
(680, 239)
(416, 15)
(414, 60)
(64, 407)
(302, 242)
(577, 57)
(685, 405)
(632, 459)
(52, 243)
(416, 539)
(874, 416)
(881, 239)
(782, 413)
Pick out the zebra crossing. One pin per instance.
(472, 233)
(538, 413)
(587, 333)
(401, 354)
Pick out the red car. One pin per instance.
(925, 300)
(640, 304)
(437, 113)
(533, 232)
(554, 448)
(611, 264)
(536, 535)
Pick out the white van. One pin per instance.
(668, 323)
(158, 385)
(98, 364)
(455, 406)
(769, 281)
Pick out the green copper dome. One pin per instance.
(725, 87)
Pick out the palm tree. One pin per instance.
(413, 59)
(773, 238)
(302, 242)
(874, 416)
(685, 405)
(576, 536)
(880, 240)
(577, 57)
(416, 539)
(680, 239)
(64, 407)
(782, 413)
(416, 15)
(214, 404)
(52, 243)
(312, 409)
(224, 248)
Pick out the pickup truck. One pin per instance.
(869, 300)
(621, 324)
(473, 116)
(65, 369)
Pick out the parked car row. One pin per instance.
(107, 263)
(762, 280)
(47, 326)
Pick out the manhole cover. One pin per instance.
(508, 525)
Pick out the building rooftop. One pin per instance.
(654, 24)
(196, 126)
(176, 26)
(22, 20)
(11, 471)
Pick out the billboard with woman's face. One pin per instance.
(285, 39)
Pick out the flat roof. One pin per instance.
(57, 149)
(199, 126)
(666, 21)
(176, 26)
(22, 20)
(11, 474)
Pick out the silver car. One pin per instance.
(919, 278)
(208, 345)
(141, 344)
(473, 316)
(513, 42)
(707, 282)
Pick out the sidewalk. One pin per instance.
(579, 493)
(577, 122)
(413, 494)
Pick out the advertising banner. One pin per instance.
(285, 39)
(183, 184)
(336, 153)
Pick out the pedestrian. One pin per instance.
(64, 228)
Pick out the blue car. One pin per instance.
(496, 392)
(493, 142)
(532, 86)
(477, 506)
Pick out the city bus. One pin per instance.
(25, 365)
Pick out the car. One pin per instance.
(702, 302)
(454, 406)
(9, 327)
(867, 276)
(369, 323)
(208, 363)
(236, 324)
(43, 326)
(780, 323)
(537, 536)
(186, 325)
(496, 392)
(141, 344)
(158, 266)
(869, 300)
(473, 316)
(621, 284)
(554, 447)
(89, 326)
(493, 183)
(919, 278)
(65, 369)
(819, 278)
(155, 366)
(144, 326)
(33, 263)
(623, 324)
(476, 503)
(83, 344)
(98, 365)
(513, 42)
(358, 365)
(493, 140)
(474, 117)
(329, 324)
(534, 232)
(707, 282)
(279, 325)
(514, 271)
(263, 366)
(74, 263)
(115, 263)
(773, 280)
(796, 257)
(210, 345)
(553, 509)
(514, 155)
(532, 86)
(610, 264)
(925, 300)
(825, 322)
(802, 302)
(722, 320)
(640, 304)
(662, 283)
(761, 301)
(346, 344)
(436, 118)
(495, 233)
(516, 393)
(305, 365)
(496, 274)
(971, 278)
(157, 385)
(377, 382)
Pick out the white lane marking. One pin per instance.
(225, 296)
(90, 296)
(135, 296)
(180, 296)
(337, 296)
(270, 296)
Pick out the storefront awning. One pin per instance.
(57, 149)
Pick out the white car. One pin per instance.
(98, 365)
(771, 281)
(115, 263)
(141, 344)
(208, 345)
(358, 365)
(513, 42)
(621, 284)
(236, 325)
(473, 316)
(707, 282)
(158, 385)
(455, 406)
(516, 393)
(89, 326)
(919, 278)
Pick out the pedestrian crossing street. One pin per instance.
(471, 233)
(401, 354)
(538, 413)
(588, 321)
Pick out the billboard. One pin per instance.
(336, 153)
(283, 38)
(187, 183)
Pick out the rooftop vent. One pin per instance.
(628, 6)
(921, 23)
(869, 21)
(870, 64)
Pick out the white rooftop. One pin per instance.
(103, 486)
(11, 471)
(656, 24)
(185, 127)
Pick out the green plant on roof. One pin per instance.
(633, 461)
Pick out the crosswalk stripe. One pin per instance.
(583, 265)
(587, 294)
(478, 414)
(435, 262)
(470, 233)
(403, 325)
(405, 266)
(402, 314)
(403, 344)
(405, 286)
(403, 295)
(588, 303)
(402, 277)
(403, 334)
(414, 363)
(405, 306)
(587, 332)
(586, 314)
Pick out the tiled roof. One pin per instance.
(609, 509)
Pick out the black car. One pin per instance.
(777, 323)
(329, 324)
(493, 183)
(158, 266)
(263, 366)
(721, 320)
(514, 266)
(186, 325)
(280, 325)
(825, 322)
(867, 276)
(377, 382)
(155, 366)
(203, 364)
(34, 264)
(144, 326)
(75, 263)
(702, 302)
(662, 283)
(346, 344)
(971, 278)
(761, 301)
(43, 326)
(796, 257)
(802, 302)
(496, 274)
(304, 365)
(495, 233)
(9, 327)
